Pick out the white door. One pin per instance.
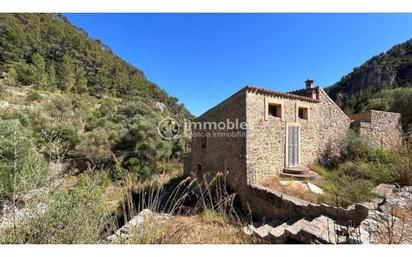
(293, 146)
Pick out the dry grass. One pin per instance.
(209, 218)
(207, 228)
(69, 181)
(119, 194)
(391, 229)
(292, 189)
(402, 213)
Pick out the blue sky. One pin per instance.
(204, 58)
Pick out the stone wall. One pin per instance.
(259, 152)
(267, 141)
(380, 129)
(223, 152)
(271, 205)
(332, 125)
(267, 137)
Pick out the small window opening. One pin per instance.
(199, 168)
(303, 113)
(203, 142)
(275, 110)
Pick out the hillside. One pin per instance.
(103, 110)
(384, 82)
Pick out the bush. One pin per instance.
(33, 96)
(22, 168)
(375, 172)
(403, 168)
(362, 161)
(94, 146)
(345, 190)
(73, 216)
(360, 168)
(353, 148)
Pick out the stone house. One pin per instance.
(284, 133)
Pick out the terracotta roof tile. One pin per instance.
(278, 94)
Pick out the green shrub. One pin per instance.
(403, 168)
(73, 216)
(353, 148)
(94, 145)
(33, 95)
(25, 73)
(22, 167)
(23, 116)
(343, 190)
(362, 161)
(375, 172)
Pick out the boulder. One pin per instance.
(136, 223)
(382, 190)
(315, 189)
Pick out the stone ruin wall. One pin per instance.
(383, 129)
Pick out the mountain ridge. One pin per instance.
(383, 82)
(104, 110)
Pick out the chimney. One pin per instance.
(309, 84)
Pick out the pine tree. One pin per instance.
(39, 71)
(11, 77)
(81, 81)
(67, 74)
(51, 77)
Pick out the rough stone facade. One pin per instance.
(379, 129)
(213, 150)
(262, 150)
(267, 141)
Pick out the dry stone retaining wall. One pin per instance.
(272, 205)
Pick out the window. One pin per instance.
(199, 168)
(275, 110)
(303, 113)
(203, 142)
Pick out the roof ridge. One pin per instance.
(255, 89)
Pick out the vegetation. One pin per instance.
(104, 109)
(73, 215)
(78, 132)
(351, 177)
(204, 212)
(200, 229)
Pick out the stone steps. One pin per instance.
(299, 172)
(320, 230)
(310, 175)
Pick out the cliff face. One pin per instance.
(391, 69)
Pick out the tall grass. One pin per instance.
(186, 196)
(192, 205)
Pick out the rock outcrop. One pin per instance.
(390, 217)
(136, 224)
